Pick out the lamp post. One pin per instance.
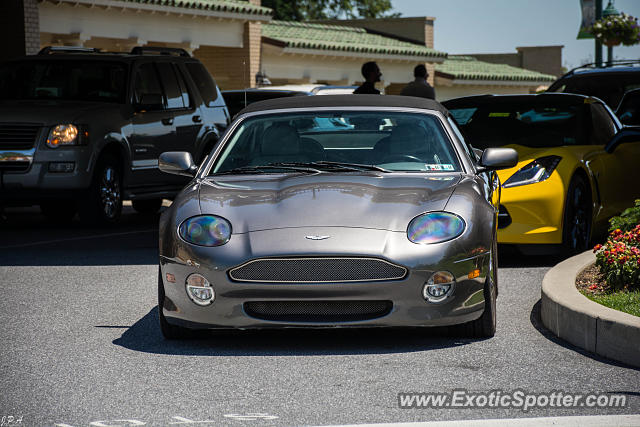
(610, 11)
(598, 42)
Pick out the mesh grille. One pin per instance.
(18, 136)
(317, 270)
(317, 311)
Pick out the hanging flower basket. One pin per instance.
(617, 29)
(612, 42)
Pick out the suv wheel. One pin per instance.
(147, 207)
(104, 202)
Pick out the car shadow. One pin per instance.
(144, 336)
(536, 320)
(511, 257)
(29, 239)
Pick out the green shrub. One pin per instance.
(627, 220)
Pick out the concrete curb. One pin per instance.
(584, 323)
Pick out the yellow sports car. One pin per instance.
(577, 165)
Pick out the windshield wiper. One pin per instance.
(352, 166)
(269, 167)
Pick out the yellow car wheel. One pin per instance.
(576, 227)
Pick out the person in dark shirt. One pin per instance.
(371, 74)
(419, 87)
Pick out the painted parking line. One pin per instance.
(575, 421)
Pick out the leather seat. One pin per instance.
(280, 143)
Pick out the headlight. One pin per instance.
(62, 135)
(435, 227)
(205, 230)
(536, 171)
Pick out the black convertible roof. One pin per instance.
(345, 101)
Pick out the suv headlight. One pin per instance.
(67, 134)
(205, 230)
(536, 171)
(435, 227)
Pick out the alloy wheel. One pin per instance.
(110, 191)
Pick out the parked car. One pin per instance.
(608, 83)
(577, 166)
(333, 226)
(82, 130)
(236, 100)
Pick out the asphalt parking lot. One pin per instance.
(81, 346)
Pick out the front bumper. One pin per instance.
(532, 214)
(408, 305)
(30, 178)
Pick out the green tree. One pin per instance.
(308, 10)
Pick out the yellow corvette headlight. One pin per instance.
(536, 171)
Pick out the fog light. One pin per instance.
(439, 286)
(62, 167)
(199, 290)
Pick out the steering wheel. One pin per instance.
(401, 158)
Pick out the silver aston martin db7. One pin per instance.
(333, 211)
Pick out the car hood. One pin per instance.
(378, 201)
(48, 112)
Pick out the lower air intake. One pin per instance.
(317, 311)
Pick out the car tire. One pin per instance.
(169, 331)
(576, 223)
(147, 207)
(103, 205)
(485, 325)
(60, 212)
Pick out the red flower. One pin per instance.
(592, 287)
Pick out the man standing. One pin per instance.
(371, 74)
(419, 87)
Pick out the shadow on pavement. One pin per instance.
(29, 239)
(145, 336)
(536, 321)
(510, 257)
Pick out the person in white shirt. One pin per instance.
(419, 87)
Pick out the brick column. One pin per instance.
(19, 28)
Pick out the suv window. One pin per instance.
(146, 82)
(186, 98)
(609, 87)
(204, 82)
(170, 84)
(69, 80)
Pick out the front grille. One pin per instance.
(317, 270)
(18, 136)
(317, 311)
(504, 219)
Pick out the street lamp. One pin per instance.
(610, 10)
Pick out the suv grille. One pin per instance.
(317, 270)
(18, 136)
(317, 311)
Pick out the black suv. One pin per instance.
(81, 130)
(608, 83)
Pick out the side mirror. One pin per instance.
(629, 109)
(177, 163)
(498, 158)
(626, 134)
(150, 102)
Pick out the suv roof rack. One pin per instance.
(141, 50)
(48, 50)
(594, 65)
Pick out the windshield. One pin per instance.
(522, 123)
(100, 81)
(339, 140)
